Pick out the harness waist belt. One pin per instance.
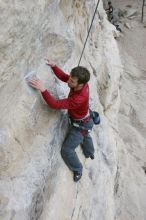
(85, 120)
(80, 123)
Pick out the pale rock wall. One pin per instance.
(35, 183)
(130, 196)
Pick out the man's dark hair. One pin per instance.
(109, 3)
(81, 73)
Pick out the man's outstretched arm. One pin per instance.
(68, 103)
(58, 72)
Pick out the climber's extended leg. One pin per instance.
(72, 140)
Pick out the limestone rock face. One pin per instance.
(35, 183)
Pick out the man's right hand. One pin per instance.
(50, 63)
(37, 84)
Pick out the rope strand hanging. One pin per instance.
(88, 32)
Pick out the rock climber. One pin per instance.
(111, 16)
(77, 104)
(109, 11)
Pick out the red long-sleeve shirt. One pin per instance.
(77, 102)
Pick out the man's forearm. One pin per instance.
(60, 74)
(50, 100)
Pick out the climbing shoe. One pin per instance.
(77, 176)
(91, 156)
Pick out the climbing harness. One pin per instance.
(88, 32)
(80, 123)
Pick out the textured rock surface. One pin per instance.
(35, 183)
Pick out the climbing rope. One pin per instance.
(88, 32)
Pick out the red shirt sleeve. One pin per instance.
(60, 74)
(68, 103)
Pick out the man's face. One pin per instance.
(73, 82)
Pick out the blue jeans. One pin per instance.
(76, 136)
